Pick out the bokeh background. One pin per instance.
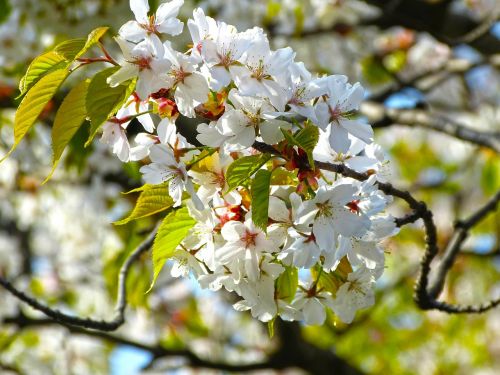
(57, 241)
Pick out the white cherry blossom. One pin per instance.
(164, 21)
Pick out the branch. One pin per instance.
(461, 233)
(279, 360)
(382, 117)
(121, 299)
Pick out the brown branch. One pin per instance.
(462, 229)
(102, 325)
(312, 360)
(382, 117)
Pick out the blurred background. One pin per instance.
(58, 243)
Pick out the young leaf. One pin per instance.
(103, 101)
(332, 281)
(287, 283)
(173, 229)
(153, 199)
(260, 198)
(39, 67)
(244, 168)
(33, 104)
(306, 138)
(69, 118)
(74, 48)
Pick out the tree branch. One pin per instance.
(461, 233)
(121, 299)
(380, 116)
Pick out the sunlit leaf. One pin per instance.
(34, 102)
(260, 198)
(172, 231)
(39, 67)
(69, 117)
(103, 101)
(153, 199)
(74, 48)
(287, 283)
(244, 168)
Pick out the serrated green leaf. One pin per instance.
(173, 229)
(103, 101)
(153, 199)
(244, 168)
(39, 67)
(69, 49)
(287, 283)
(260, 198)
(69, 117)
(74, 48)
(307, 138)
(33, 104)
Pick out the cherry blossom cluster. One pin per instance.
(323, 227)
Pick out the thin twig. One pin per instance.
(101, 325)
(461, 233)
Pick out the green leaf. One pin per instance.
(69, 117)
(153, 199)
(270, 327)
(490, 175)
(374, 71)
(104, 101)
(69, 49)
(306, 138)
(287, 283)
(332, 281)
(260, 198)
(39, 67)
(74, 48)
(244, 168)
(5, 10)
(33, 104)
(173, 229)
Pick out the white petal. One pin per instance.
(140, 8)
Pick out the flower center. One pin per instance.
(249, 238)
(179, 75)
(143, 63)
(325, 209)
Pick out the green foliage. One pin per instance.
(306, 138)
(74, 48)
(173, 229)
(244, 168)
(33, 104)
(490, 176)
(260, 198)
(5, 10)
(395, 61)
(331, 281)
(103, 101)
(374, 72)
(287, 283)
(69, 117)
(40, 66)
(152, 200)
